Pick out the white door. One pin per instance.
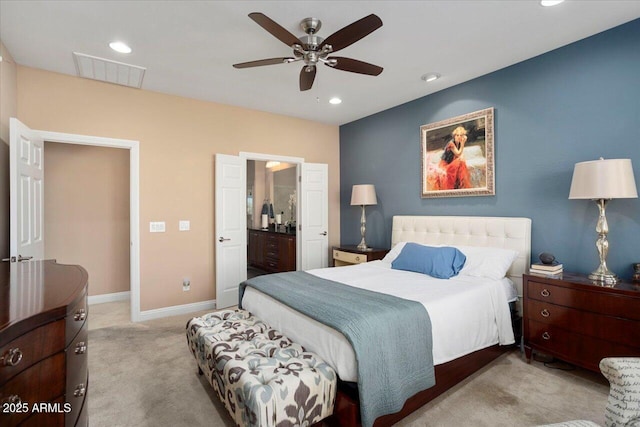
(230, 228)
(313, 229)
(26, 189)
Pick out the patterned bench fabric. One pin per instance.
(262, 377)
(577, 423)
(623, 408)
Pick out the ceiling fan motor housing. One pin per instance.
(310, 25)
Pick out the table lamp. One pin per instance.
(601, 181)
(364, 194)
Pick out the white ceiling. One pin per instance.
(188, 47)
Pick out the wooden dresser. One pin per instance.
(579, 322)
(349, 255)
(43, 344)
(271, 251)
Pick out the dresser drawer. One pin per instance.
(76, 396)
(76, 318)
(584, 322)
(77, 375)
(575, 348)
(43, 382)
(30, 348)
(48, 419)
(597, 301)
(349, 257)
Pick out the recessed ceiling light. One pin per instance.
(429, 77)
(120, 47)
(335, 101)
(548, 3)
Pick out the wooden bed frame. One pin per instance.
(501, 232)
(347, 408)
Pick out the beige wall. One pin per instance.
(179, 138)
(8, 108)
(86, 201)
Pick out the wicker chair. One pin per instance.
(623, 407)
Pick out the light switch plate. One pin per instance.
(157, 227)
(184, 225)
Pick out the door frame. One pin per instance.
(134, 200)
(244, 156)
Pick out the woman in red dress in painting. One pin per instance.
(456, 175)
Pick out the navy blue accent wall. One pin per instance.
(576, 103)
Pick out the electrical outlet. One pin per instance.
(186, 284)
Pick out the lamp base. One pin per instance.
(604, 278)
(363, 246)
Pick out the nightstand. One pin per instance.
(348, 255)
(579, 322)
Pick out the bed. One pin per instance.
(466, 335)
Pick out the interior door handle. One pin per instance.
(222, 239)
(324, 233)
(19, 259)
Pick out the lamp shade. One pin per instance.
(603, 179)
(364, 194)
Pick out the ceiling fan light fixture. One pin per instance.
(430, 77)
(335, 100)
(120, 47)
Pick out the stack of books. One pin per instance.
(548, 270)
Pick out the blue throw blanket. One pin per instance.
(391, 336)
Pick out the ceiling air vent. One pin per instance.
(105, 70)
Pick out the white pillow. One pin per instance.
(492, 263)
(394, 252)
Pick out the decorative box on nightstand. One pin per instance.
(580, 322)
(348, 255)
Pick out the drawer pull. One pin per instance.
(546, 336)
(81, 348)
(13, 399)
(80, 315)
(358, 258)
(12, 357)
(80, 390)
(545, 313)
(545, 293)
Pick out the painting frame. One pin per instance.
(450, 171)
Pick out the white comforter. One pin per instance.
(467, 313)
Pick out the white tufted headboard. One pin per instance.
(497, 232)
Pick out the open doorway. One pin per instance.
(134, 202)
(272, 200)
(86, 221)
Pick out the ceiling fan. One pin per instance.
(313, 49)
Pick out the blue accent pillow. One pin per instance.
(441, 262)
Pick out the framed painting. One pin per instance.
(457, 156)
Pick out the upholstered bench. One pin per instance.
(623, 406)
(261, 376)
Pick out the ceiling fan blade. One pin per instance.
(354, 66)
(274, 28)
(307, 77)
(353, 32)
(261, 62)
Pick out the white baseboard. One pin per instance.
(113, 297)
(176, 310)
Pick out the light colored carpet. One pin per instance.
(144, 375)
